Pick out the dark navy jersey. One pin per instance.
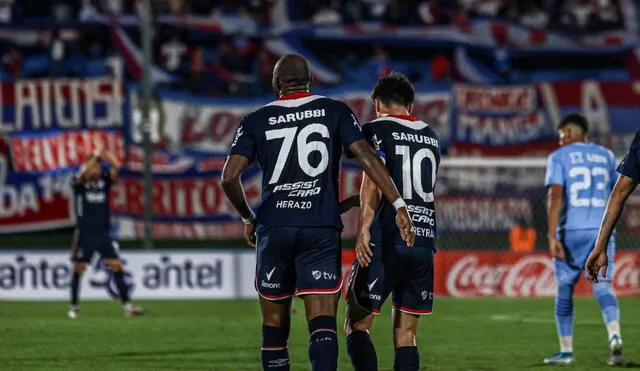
(630, 165)
(298, 141)
(411, 152)
(92, 205)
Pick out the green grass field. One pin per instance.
(463, 334)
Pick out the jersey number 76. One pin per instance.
(305, 148)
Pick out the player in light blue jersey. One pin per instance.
(580, 177)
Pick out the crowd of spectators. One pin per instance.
(569, 15)
(235, 63)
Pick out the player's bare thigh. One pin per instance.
(114, 264)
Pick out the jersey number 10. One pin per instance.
(305, 148)
(412, 172)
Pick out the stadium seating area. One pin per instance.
(574, 15)
(218, 48)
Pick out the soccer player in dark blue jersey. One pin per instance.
(629, 170)
(298, 141)
(385, 265)
(91, 189)
(580, 176)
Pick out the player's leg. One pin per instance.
(365, 295)
(276, 324)
(81, 254)
(609, 308)
(412, 297)
(319, 282)
(275, 282)
(405, 326)
(110, 254)
(567, 273)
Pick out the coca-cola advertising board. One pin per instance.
(512, 274)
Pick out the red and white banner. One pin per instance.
(511, 274)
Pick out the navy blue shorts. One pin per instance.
(295, 260)
(89, 244)
(405, 273)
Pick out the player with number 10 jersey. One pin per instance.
(298, 140)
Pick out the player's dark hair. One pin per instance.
(394, 88)
(575, 119)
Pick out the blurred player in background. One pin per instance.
(580, 177)
(629, 178)
(91, 189)
(298, 141)
(410, 150)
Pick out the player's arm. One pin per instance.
(349, 203)
(555, 193)
(598, 257)
(232, 186)
(369, 200)
(621, 191)
(91, 161)
(377, 172)
(240, 155)
(115, 167)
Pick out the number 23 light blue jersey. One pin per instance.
(587, 172)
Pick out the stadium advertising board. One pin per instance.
(502, 273)
(34, 275)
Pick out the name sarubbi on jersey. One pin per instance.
(297, 116)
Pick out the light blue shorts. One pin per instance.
(578, 244)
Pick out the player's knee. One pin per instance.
(275, 319)
(79, 268)
(115, 265)
(404, 337)
(321, 305)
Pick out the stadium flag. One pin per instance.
(33, 202)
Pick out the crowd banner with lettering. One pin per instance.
(62, 104)
(33, 202)
(522, 120)
(185, 206)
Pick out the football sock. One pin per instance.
(323, 345)
(406, 359)
(608, 307)
(123, 290)
(564, 316)
(75, 289)
(275, 354)
(361, 351)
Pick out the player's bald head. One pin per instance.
(291, 73)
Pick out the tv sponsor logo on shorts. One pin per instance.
(324, 275)
(267, 284)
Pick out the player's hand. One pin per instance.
(405, 225)
(363, 248)
(250, 234)
(596, 261)
(98, 145)
(556, 248)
